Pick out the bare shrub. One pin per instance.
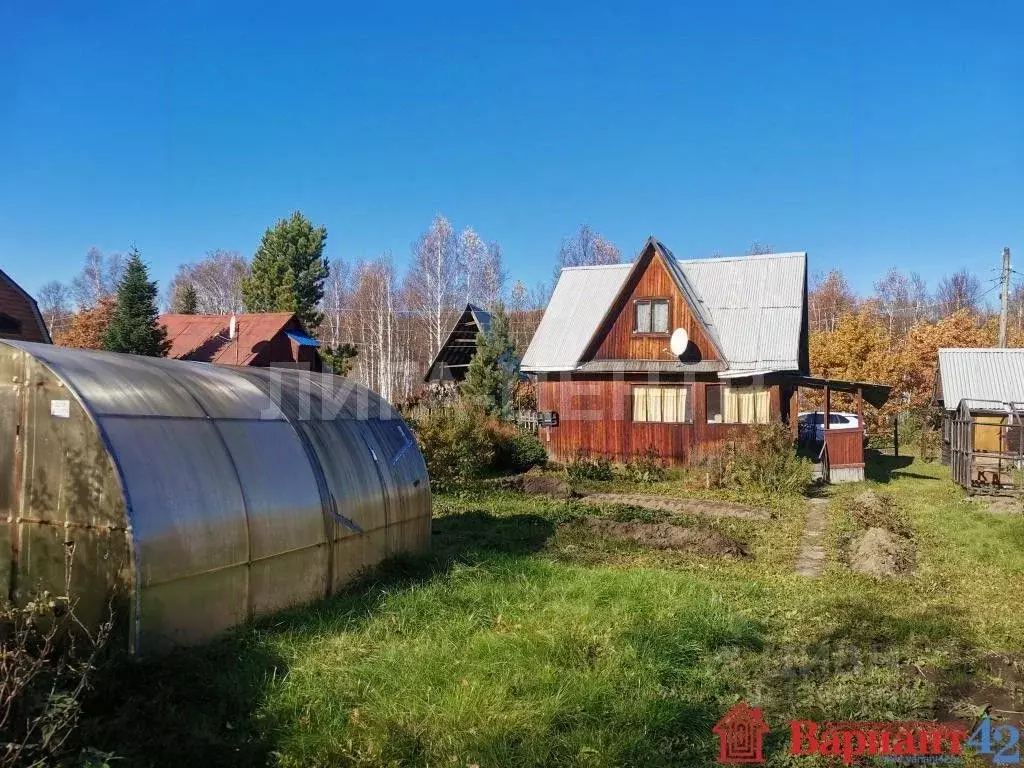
(48, 661)
(587, 467)
(763, 458)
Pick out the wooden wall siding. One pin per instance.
(14, 303)
(280, 349)
(845, 447)
(596, 416)
(620, 343)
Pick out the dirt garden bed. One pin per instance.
(700, 507)
(884, 545)
(668, 536)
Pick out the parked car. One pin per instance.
(811, 425)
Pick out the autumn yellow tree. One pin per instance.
(858, 349)
(919, 352)
(86, 327)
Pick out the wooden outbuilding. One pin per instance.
(452, 359)
(981, 394)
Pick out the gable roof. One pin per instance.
(460, 346)
(205, 337)
(682, 283)
(752, 308)
(992, 374)
(32, 303)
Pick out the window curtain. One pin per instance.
(639, 404)
(643, 316)
(653, 403)
(674, 404)
(660, 404)
(661, 317)
(746, 405)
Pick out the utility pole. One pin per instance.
(1004, 296)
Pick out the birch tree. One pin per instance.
(336, 327)
(961, 290)
(438, 279)
(54, 300)
(98, 279)
(585, 248)
(381, 354)
(484, 274)
(830, 298)
(217, 280)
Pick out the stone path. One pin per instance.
(811, 560)
(704, 507)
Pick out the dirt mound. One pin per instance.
(872, 509)
(878, 552)
(546, 485)
(668, 536)
(536, 483)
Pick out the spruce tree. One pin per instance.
(133, 326)
(288, 271)
(494, 368)
(188, 301)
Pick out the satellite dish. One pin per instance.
(679, 341)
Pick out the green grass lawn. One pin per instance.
(524, 640)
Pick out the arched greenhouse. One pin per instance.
(193, 496)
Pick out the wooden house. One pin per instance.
(269, 339)
(19, 313)
(452, 359)
(617, 377)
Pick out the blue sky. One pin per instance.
(867, 135)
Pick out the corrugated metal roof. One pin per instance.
(650, 366)
(482, 317)
(751, 305)
(302, 339)
(981, 374)
(578, 304)
(204, 338)
(757, 303)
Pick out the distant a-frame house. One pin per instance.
(452, 359)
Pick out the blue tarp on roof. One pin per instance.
(302, 340)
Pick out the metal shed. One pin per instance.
(192, 496)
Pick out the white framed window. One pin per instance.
(662, 405)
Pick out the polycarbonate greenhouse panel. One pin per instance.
(191, 498)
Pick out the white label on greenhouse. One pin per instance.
(60, 408)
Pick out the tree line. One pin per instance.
(378, 323)
(383, 325)
(893, 335)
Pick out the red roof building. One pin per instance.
(272, 339)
